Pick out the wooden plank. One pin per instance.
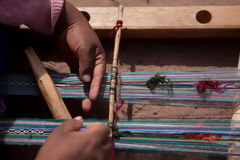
(166, 22)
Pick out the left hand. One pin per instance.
(77, 39)
(67, 142)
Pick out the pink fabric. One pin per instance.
(39, 15)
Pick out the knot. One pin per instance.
(118, 25)
(202, 86)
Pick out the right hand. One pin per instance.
(67, 142)
(78, 40)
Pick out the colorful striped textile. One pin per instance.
(145, 135)
(133, 87)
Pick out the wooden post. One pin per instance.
(114, 71)
(47, 87)
(235, 117)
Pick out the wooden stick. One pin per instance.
(114, 70)
(47, 87)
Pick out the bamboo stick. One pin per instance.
(47, 87)
(114, 70)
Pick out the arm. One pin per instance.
(75, 36)
(39, 15)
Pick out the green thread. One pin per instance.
(154, 81)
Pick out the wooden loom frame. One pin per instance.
(167, 22)
(181, 22)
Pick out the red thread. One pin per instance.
(202, 86)
(118, 25)
(116, 112)
(111, 55)
(113, 147)
(115, 124)
(203, 136)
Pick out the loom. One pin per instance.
(220, 137)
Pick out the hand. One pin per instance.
(77, 39)
(67, 142)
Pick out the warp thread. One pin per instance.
(202, 86)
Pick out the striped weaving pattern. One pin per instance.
(133, 87)
(145, 135)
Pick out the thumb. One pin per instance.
(73, 124)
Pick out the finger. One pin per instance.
(98, 74)
(99, 129)
(107, 150)
(86, 63)
(86, 105)
(69, 56)
(72, 124)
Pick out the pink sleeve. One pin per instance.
(39, 15)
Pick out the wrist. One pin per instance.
(69, 16)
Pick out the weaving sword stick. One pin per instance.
(47, 87)
(114, 70)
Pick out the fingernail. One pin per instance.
(86, 78)
(78, 118)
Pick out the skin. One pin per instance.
(67, 142)
(82, 48)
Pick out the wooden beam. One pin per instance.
(167, 22)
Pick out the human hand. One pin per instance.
(67, 142)
(77, 39)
